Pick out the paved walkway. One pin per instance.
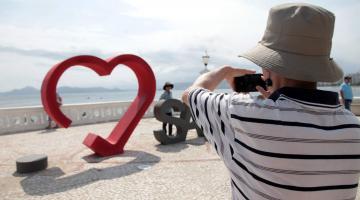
(147, 170)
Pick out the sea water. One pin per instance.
(94, 97)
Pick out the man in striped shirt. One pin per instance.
(298, 142)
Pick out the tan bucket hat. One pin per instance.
(297, 43)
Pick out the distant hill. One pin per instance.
(85, 90)
(31, 90)
(25, 90)
(185, 85)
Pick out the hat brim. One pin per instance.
(295, 66)
(171, 85)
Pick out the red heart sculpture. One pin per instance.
(117, 139)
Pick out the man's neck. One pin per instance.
(297, 84)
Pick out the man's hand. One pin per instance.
(265, 93)
(342, 99)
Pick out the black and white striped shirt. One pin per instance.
(297, 144)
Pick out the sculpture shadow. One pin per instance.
(48, 131)
(49, 181)
(177, 147)
(196, 141)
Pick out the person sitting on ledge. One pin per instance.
(297, 142)
(165, 96)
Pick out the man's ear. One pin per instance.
(266, 73)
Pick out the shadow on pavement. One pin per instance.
(196, 141)
(48, 131)
(49, 181)
(173, 148)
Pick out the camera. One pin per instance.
(247, 83)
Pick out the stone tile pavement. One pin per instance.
(147, 170)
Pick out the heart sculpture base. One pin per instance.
(101, 146)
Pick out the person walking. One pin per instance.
(59, 102)
(167, 94)
(346, 92)
(297, 143)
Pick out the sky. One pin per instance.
(171, 36)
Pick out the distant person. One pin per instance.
(346, 92)
(165, 96)
(59, 101)
(299, 143)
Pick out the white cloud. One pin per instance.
(346, 45)
(18, 71)
(170, 35)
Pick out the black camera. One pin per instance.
(248, 83)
